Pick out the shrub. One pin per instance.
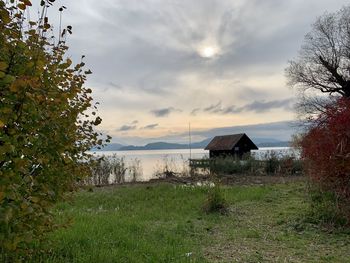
(297, 167)
(169, 167)
(232, 165)
(323, 209)
(44, 131)
(113, 170)
(107, 170)
(270, 163)
(135, 170)
(326, 153)
(215, 201)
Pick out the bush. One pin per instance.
(324, 211)
(326, 153)
(269, 164)
(215, 201)
(44, 131)
(135, 170)
(169, 167)
(113, 169)
(272, 164)
(232, 165)
(297, 167)
(107, 170)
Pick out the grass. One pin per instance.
(165, 223)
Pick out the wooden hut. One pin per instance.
(230, 145)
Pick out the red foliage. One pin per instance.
(326, 150)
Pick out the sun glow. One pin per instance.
(208, 51)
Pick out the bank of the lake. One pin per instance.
(151, 161)
(164, 222)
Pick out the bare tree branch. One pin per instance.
(323, 64)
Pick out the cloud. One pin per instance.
(263, 106)
(127, 128)
(144, 52)
(150, 126)
(256, 106)
(214, 108)
(276, 130)
(164, 112)
(115, 85)
(195, 111)
(135, 122)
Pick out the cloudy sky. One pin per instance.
(160, 64)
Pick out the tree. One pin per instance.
(321, 71)
(326, 153)
(322, 75)
(45, 132)
(323, 64)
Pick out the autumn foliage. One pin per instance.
(45, 130)
(326, 152)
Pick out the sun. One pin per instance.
(208, 52)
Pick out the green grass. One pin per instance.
(165, 223)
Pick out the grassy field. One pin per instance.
(165, 223)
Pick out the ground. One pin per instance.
(164, 222)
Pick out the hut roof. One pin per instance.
(228, 142)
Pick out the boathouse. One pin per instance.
(230, 145)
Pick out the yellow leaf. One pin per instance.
(27, 2)
(6, 110)
(3, 66)
(2, 124)
(5, 17)
(24, 206)
(21, 6)
(14, 87)
(8, 215)
(2, 196)
(34, 199)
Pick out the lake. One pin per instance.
(152, 162)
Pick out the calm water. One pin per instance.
(153, 161)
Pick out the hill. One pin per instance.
(260, 142)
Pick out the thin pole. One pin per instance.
(189, 137)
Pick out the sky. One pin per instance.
(159, 65)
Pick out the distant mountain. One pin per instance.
(201, 144)
(265, 140)
(260, 142)
(155, 146)
(274, 144)
(109, 147)
(166, 145)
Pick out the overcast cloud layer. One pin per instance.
(151, 72)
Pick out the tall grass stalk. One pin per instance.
(114, 170)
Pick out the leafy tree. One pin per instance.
(44, 128)
(322, 75)
(326, 152)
